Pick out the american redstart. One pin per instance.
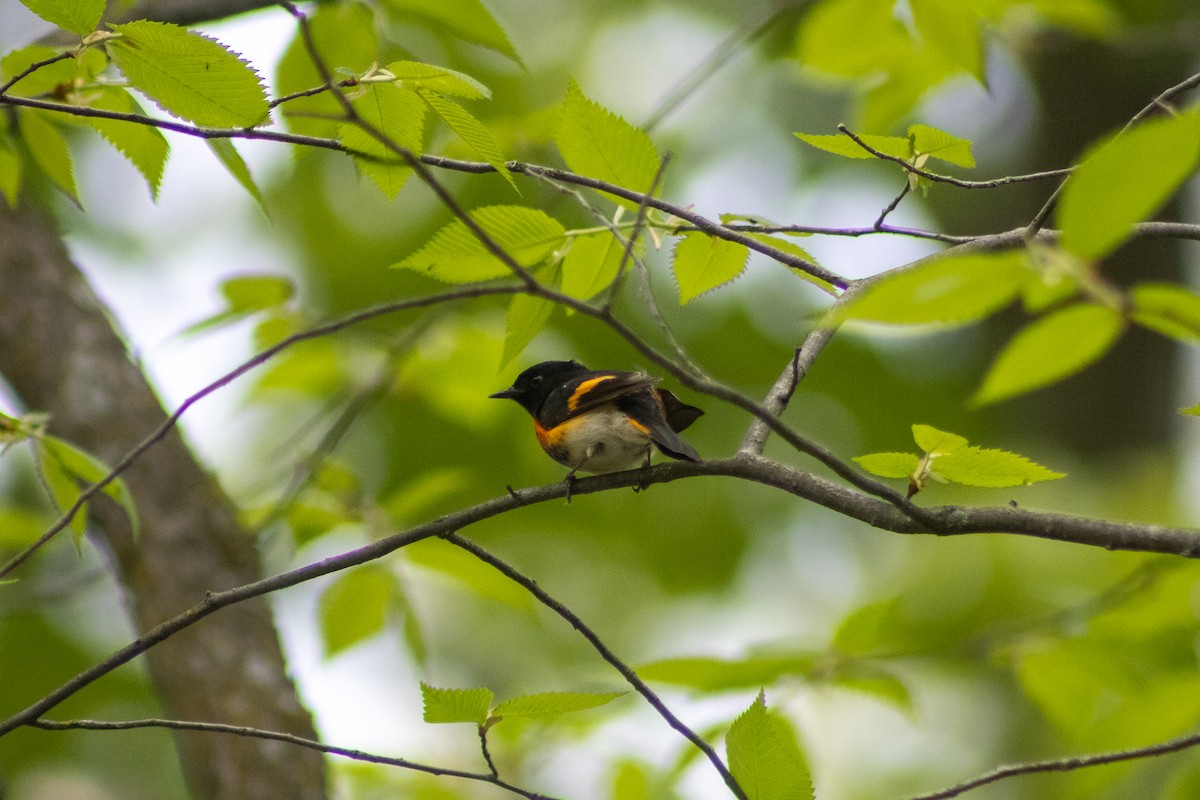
(600, 420)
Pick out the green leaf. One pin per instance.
(439, 79)
(1170, 309)
(795, 250)
(876, 682)
(950, 31)
(49, 149)
(702, 263)
(936, 442)
(466, 19)
(842, 145)
(947, 291)
(455, 255)
(10, 172)
(597, 143)
(527, 316)
(245, 295)
(469, 129)
(63, 488)
(706, 674)
(1191, 410)
(889, 465)
(356, 606)
(82, 467)
(590, 265)
(399, 115)
(1052, 348)
(76, 16)
(189, 75)
(1148, 163)
(853, 39)
(977, 466)
(867, 629)
(344, 36)
(456, 705)
(764, 757)
(941, 145)
(551, 704)
(235, 165)
(144, 146)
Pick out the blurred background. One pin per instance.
(905, 664)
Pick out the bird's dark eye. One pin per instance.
(537, 379)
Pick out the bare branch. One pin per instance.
(620, 666)
(278, 736)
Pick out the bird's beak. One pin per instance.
(509, 393)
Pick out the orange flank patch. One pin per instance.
(582, 390)
(551, 439)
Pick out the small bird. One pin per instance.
(599, 420)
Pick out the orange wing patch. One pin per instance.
(582, 390)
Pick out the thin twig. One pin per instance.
(262, 357)
(1068, 764)
(278, 736)
(631, 677)
(34, 67)
(938, 178)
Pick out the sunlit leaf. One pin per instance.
(941, 145)
(455, 254)
(551, 704)
(953, 290)
(936, 442)
(456, 705)
(591, 265)
(764, 757)
(442, 80)
(889, 465)
(1168, 308)
(702, 263)
(76, 16)
(466, 19)
(842, 145)
(1049, 349)
(189, 75)
(469, 129)
(597, 143)
(399, 115)
(1148, 163)
(977, 466)
(143, 145)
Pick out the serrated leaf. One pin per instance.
(1148, 163)
(597, 143)
(398, 114)
(440, 79)
(842, 145)
(469, 129)
(764, 757)
(551, 704)
(954, 290)
(49, 149)
(1168, 308)
(455, 255)
(355, 607)
(189, 75)
(144, 146)
(941, 145)
(977, 466)
(706, 674)
(1052, 348)
(701, 263)
(235, 165)
(889, 465)
(591, 264)
(456, 705)
(76, 16)
(466, 19)
(936, 442)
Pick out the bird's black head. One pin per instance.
(534, 385)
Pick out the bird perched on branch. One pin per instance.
(601, 420)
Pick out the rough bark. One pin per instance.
(60, 353)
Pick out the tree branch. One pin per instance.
(278, 736)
